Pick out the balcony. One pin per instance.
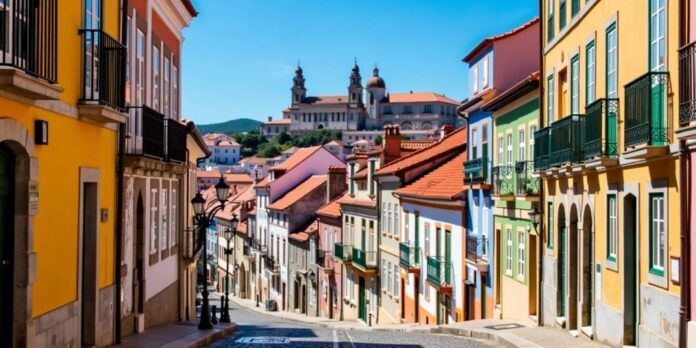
(191, 245)
(600, 132)
(527, 185)
(151, 135)
(476, 171)
(103, 78)
(176, 141)
(566, 141)
(687, 92)
(343, 252)
(409, 256)
(271, 265)
(472, 252)
(542, 139)
(503, 182)
(364, 259)
(646, 131)
(471, 248)
(439, 272)
(28, 49)
(258, 247)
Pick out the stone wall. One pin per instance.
(163, 307)
(59, 327)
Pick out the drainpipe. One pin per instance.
(540, 231)
(119, 195)
(684, 196)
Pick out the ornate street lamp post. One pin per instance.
(229, 232)
(203, 218)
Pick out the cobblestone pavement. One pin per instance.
(256, 330)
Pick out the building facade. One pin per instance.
(225, 151)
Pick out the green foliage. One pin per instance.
(378, 140)
(284, 141)
(250, 142)
(282, 138)
(406, 137)
(239, 125)
(269, 150)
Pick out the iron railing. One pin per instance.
(270, 263)
(542, 140)
(343, 252)
(687, 84)
(476, 170)
(176, 141)
(439, 271)
(28, 37)
(600, 128)
(103, 69)
(503, 182)
(646, 110)
(321, 257)
(364, 259)
(527, 183)
(566, 140)
(409, 255)
(471, 248)
(145, 132)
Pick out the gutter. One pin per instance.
(685, 204)
(540, 247)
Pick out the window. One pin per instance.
(657, 35)
(574, 8)
(165, 88)
(474, 143)
(407, 109)
(508, 251)
(140, 69)
(532, 130)
(575, 85)
(509, 148)
(657, 233)
(154, 217)
(129, 48)
(549, 223)
(612, 228)
(384, 218)
(427, 109)
(426, 290)
(562, 15)
(174, 216)
(501, 147)
(549, 99)
(611, 79)
(521, 255)
(484, 73)
(427, 245)
(521, 138)
(474, 79)
(590, 72)
(396, 280)
(389, 219)
(549, 21)
(389, 277)
(164, 233)
(384, 272)
(396, 221)
(155, 78)
(406, 233)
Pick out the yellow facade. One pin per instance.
(577, 192)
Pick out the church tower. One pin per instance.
(299, 92)
(355, 88)
(376, 91)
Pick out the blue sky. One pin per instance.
(239, 55)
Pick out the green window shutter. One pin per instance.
(575, 7)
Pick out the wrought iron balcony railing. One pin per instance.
(476, 170)
(503, 181)
(103, 69)
(566, 140)
(542, 141)
(687, 84)
(145, 132)
(439, 271)
(527, 183)
(646, 120)
(343, 252)
(409, 255)
(364, 259)
(29, 37)
(600, 128)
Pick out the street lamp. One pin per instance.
(534, 217)
(203, 218)
(229, 232)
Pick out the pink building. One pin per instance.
(329, 217)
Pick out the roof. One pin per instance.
(291, 150)
(264, 182)
(280, 121)
(346, 199)
(333, 143)
(526, 85)
(254, 160)
(326, 99)
(193, 130)
(361, 174)
(331, 209)
(299, 237)
(420, 97)
(485, 42)
(238, 178)
(410, 145)
(227, 143)
(190, 8)
(207, 174)
(443, 183)
(299, 156)
(300, 191)
(454, 140)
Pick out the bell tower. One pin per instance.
(355, 88)
(299, 92)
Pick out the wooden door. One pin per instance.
(7, 169)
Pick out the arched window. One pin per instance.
(406, 126)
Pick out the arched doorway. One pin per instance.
(630, 271)
(296, 294)
(561, 263)
(242, 281)
(573, 269)
(7, 193)
(138, 274)
(587, 269)
(303, 296)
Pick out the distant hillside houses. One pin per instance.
(225, 151)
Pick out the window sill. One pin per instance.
(612, 264)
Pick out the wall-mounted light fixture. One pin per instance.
(40, 132)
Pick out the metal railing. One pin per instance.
(542, 140)
(646, 110)
(471, 248)
(600, 128)
(343, 252)
(145, 132)
(409, 255)
(28, 37)
(503, 182)
(527, 184)
(476, 170)
(439, 271)
(364, 259)
(566, 140)
(103, 69)
(687, 84)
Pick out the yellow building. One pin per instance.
(61, 96)
(609, 161)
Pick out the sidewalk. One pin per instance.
(178, 335)
(509, 333)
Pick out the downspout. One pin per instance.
(684, 195)
(542, 205)
(119, 193)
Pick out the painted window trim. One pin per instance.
(574, 109)
(611, 28)
(651, 241)
(588, 47)
(658, 187)
(550, 96)
(612, 257)
(550, 226)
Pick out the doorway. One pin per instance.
(573, 269)
(138, 274)
(362, 306)
(416, 294)
(403, 298)
(533, 260)
(587, 269)
(7, 205)
(498, 271)
(630, 244)
(88, 287)
(561, 264)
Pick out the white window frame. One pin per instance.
(139, 68)
(501, 150)
(575, 85)
(658, 43)
(612, 228)
(484, 72)
(154, 220)
(612, 75)
(164, 230)
(522, 135)
(166, 87)
(532, 129)
(509, 158)
(550, 92)
(475, 79)
(591, 53)
(508, 251)
(521, 254)
(658, 222)
(156, 78)
(175, 91)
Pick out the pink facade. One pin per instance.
(515, 56)
(330, 279)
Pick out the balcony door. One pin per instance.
(7, 168)
(92, 15)
(658, 59)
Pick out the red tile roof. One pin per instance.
(331, 209)
(299, 236)
(238, 178)
(453, 141)
(281, 121)
(347, 200)
(443, 183)
(299, 156)
(264, 182)
(202, 174)
(361, 174)
(410, 145)
(254, 160)
(485, 42)
(326, 99)
(420, 97)
(300, 191)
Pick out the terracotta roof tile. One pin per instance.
(326, 99)
(254, 160)
(299, 236)
(420, 97)
(280, 121)
(415, 144)
(300, 191)
(332, 209)
(347, 200)
(444, 182)
(238, 178)
(361, 174)
(297, 158)
(202, 174)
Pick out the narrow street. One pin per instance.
(259, 330)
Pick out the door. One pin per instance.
(439, 310)
(657, 64)
(403, 298)
(88, 287)
(7, 169)
(533, 275)
(448, 257)
(498, 269)
(138, 274)
(362, 306)
(92, 16)
(630, 271)
(416, 294)
(562, 269)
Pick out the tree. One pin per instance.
(378, 140)
(283, 138)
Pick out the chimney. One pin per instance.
(445, 130)
(391, 143)
(270, 118)
(336, 183)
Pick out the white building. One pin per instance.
(225, 151)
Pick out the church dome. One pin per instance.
(375, 81)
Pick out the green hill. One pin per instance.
(239, 125)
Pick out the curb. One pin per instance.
(202, 339)
(508, 340)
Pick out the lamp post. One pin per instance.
(203, 218)
(534, 217)
(229, 232)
